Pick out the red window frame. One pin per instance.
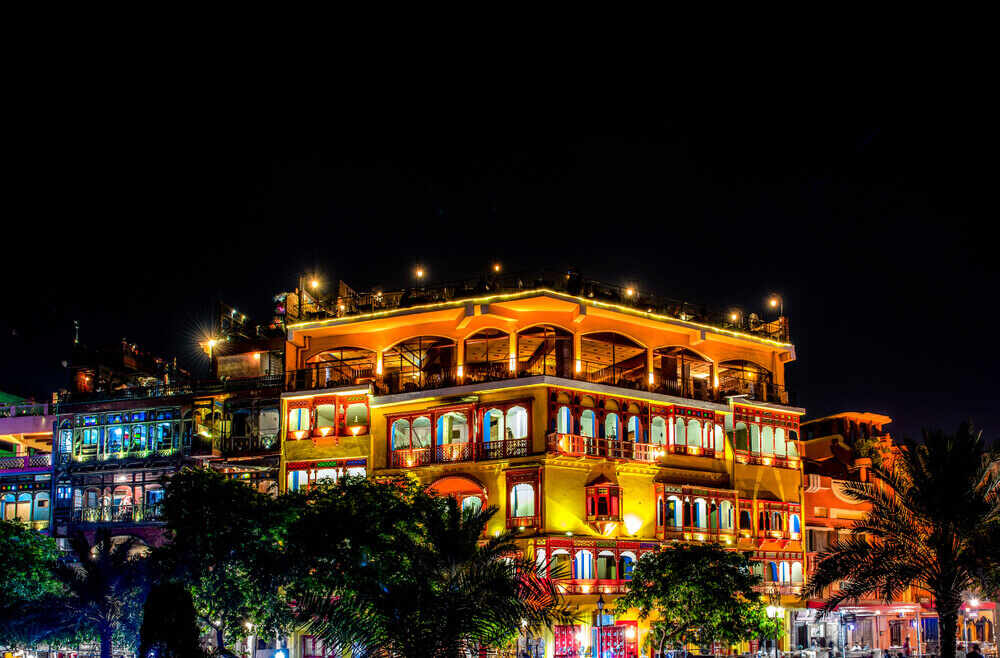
(532, 476)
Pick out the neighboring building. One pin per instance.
(25, 461)
(602, 421)
(838, 449)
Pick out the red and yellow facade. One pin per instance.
(600, 432)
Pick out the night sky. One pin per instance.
(135, 220)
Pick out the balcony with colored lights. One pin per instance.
(25, 464)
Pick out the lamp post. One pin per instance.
(600, 625)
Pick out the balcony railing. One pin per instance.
(767, 460)
(570, 283)
(119, 514)
(585, 446)
(22, 410)
(248, 445)
(591, 586)
(460, 452)
(696, 533)
(127, 455)
(195, 387)
(787, 589)
(25, 462)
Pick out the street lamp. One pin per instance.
(776, 303)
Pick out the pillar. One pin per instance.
(577, 353)
(512, 352)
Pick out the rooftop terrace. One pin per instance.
(350, 303)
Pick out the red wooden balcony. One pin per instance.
(767, 460)
(451, 453)
(786, 589)
(591, 586)
(411, 457)
(576, 445)
(695, 533)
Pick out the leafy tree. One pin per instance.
(106, 588)
(934, 523)
(26, 561)
(386, 569)
(698, 593)
(227, 546)
(169, 623)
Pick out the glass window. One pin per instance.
(564, 421)
(726, 515)
(522, 500)
(138, 438)
(517, 423)
(755, 438)
(607, 566)
(674, 512)
(779, 442)
(401, 434)
(587, 423)
(298, 419)
(583, 566)
(720, 445)
(453, 427)
(626, 565)
(634, 429)
(357, 414)
(694, 433)
(767, 440)
(611, 426)
(741, 437)
(658, 430)
(115, 438)
(421, 432)
(493, 425)
(326, 415)
(65, 441)
(679, 433)
(471, 505)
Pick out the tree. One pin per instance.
(169, 623)
(387, 569)
(30, 590)
(106, 587)
(226, 546)
(698, 593)
(934, 523)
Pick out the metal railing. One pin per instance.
(248, 445)
(585, 446)
(693, 532)
(25, 462)
(571, 283)
(460, 452)
(21, 410)
(119, 514)
(196, 387)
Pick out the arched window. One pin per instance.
(564, 420)
(679, 434)
(659, 511)
(634, 429)
(779, 442)
(755, 438)
(471, 505)
(613, 359)
(545, 350)
(741, 437)
(587, 423)
(726, 515)
(794, 524)
(401, 434)
(487, 355)
(607, 566)
(23, 512)
(694, 433)
(522, 500)
(784, 574)
(626, 563)
(779, 522)
(9, 505)
(561, 565)
(720, 445)
(700, 513)
(796, 572)
(517, 423)
(356, 415)
(421, 432)
(673, 514)
(583, 566)
(611, 426)
(452, 427)
(793, 450)
(658, 431)
(772, 572)
(767, 440)
(493, 425)
(746, 523)
(763, 521)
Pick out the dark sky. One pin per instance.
(135, 218)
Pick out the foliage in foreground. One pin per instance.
(934, 523)
(698, 593)
(386, 569)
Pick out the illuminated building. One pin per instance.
(25, 461)
(838, 449)
(601, 420)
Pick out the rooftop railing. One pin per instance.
(565, 282)
(197, 387)
(25, 462)
(21, 410)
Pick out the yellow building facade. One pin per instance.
(600, 430)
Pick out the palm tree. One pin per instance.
(105, 585)
(934, 524)
(455, 593)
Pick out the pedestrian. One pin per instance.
(974, 653)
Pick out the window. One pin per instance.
(626, 564)
(421, 432)
(561, 565)
(767, 440)
(611, 426)
(587, 423)
(517, 423)
(356, 415)
(755, 438)
(522, 500)
(471, 505)
(726, 515)
(784, 574)
(679, 434)
(326, 416)
(792, 449)
(720, 446)
(400, 434)
(741, 439)
(138, 438)
(796, 572)
(794, 525)
(658, 430)
(607, 566)
(583, 565)
(564, 420)
(694, 433)
(780, 448)
(493, 425)
(700, 509)
(673, 512)
(298, 419)
(65, 441)
(452, 427)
